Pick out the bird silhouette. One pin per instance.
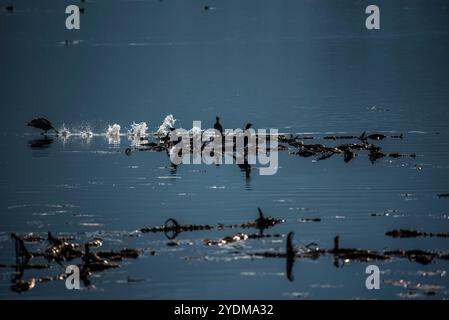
(217, 125)
(43, 124)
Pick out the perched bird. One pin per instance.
(336, 243)
(43, 124)
(245, 139)
(217, 125)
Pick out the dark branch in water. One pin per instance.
(312, 251)
(403, 233)
(172, 228)
(310, 220)
(59, 250)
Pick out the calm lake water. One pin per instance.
(306, 67)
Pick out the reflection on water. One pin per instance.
(41, 143)
(308, 68)
(114, 196)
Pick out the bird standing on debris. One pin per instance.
(217, 125)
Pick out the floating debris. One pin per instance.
(403, 233)
(417, 289)
(377, 136)
(348, 254)
(262, 222)
(238, 237)
(95, 243)
(312, 251)
(420, 256)
(319, 151)
(60, 250)
(172, 228)
(173, 225)
(227, 240)
(339, 137)
(323, 152)
(23, 285)
(400, 155)
(32, 237)
(310, 220)
(119, 255)
(93, 262)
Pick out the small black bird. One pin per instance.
(42, 123)
(9, 8)
(248, 126)
(217, 125)
(336, 243)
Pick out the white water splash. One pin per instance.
(138, 130)
(64, 133)
(167, 124)
(86, 134)
(84, 131)
(195, 131)
(113, 131)
(113, 134)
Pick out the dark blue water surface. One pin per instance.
(306, 67)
